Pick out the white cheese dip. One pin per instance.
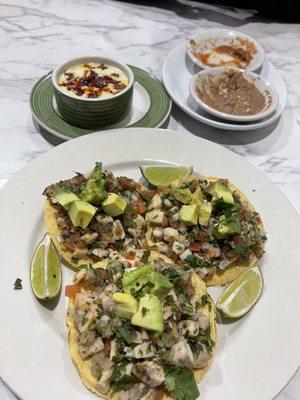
(93, 80)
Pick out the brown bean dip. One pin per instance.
(231, 93)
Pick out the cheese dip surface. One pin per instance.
(93, 80)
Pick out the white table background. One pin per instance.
(35, 35)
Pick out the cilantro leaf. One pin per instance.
(242, 249)
(123, 382)
(18, 284)
(206, 302)
(126, 334)
(195, 261)
(144, 311)
(180, 382)
(146, 255)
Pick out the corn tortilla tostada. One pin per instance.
(206, 223)
(87, 217)
(156, 344)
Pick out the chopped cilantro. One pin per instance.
(206, 339)
(117, 358)
(195, 261)
(146, 255)
(180, 382)
(173, 275)
(117, 371)
(242, 249)
(126, 334)
(144, 311)
(205, 301)
(18, 284)
(123, 382)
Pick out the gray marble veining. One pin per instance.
(35, 35)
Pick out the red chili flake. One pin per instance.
(69, 75)
(87, 66)
(102, 66)
(115, 74)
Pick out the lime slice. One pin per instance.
(163, 175)
(45, 270)
(241, 294)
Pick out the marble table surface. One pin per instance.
(35, 35)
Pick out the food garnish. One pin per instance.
(241, 294)
(18, 284)
(162, 175)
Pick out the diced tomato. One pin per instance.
(102, 274)
(71, 290)
(110, 187)
(69, 245)
(258, 220)
(106, 348)
(124, 183)
(129, 255)
(80, 244)
(238, 239)
(139, 207)
(193, 186)
(247, 215)
(195, 247)
(174, 225)
(202, 237)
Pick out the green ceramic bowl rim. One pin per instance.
(42, 108)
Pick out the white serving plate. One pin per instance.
(177, 72)
(256, 355)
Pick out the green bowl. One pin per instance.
(93, 113)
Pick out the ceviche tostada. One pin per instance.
(87, 217)
(140, 328)
(207, 224)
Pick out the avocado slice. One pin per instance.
(126, 305)
(81, 213)
(114, 205)
(221, 195)
(149, 315)
(227, 226)
(146, 280)
(182, 195)
(161, 285)
(94, 191)
(65, 199)
(189, 214)
(134, 280)
(197, 197)
(205, 211)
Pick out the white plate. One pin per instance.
(256, 356)
(177, 72)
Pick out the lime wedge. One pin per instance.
(241, 294)
(163, 175)
(45, 270)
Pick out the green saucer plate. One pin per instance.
(150, 108)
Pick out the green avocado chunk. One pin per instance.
(182, 195)
(65, 199)
(94, 191)
(135, 280)
(114, 205)
(150, 314)
(144, 280)
(126, 305)
(227, 226)
(221, 195)
(189, 214)
(205, 210)
(197, 197)
(81, 213)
